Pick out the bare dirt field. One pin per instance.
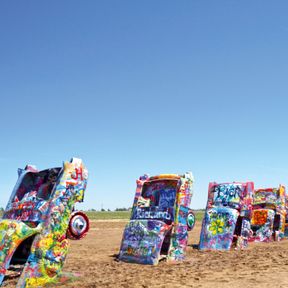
(93, 259)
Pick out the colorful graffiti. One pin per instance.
(259, 217)
(286, 218)
(158, 227)
(227, 194)
(219, 228)
(269, 212)
(137, 235)
(262, 225)
(243, 234)
(227, 217)
(41, 206)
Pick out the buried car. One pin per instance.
(268, 215)
(286, 219)
(227, 218)
(160, 220)
(38, 220)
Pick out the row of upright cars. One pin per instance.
(235, 215)
(40, 217)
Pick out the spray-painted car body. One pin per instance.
(160, 220)
(268, 215)
(33, 231)
(286, 218)
(227, 216)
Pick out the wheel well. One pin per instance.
(22, 252)
(238, 226)
(277, 220)
(166, 243)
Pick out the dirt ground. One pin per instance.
(93, 260)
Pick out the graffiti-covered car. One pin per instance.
(227, 217)
(160, 220)
(38, 220)
(286, 218)
(268, 215)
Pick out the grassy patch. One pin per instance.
(199, 215)
(108, 215)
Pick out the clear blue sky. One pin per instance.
(136, 87)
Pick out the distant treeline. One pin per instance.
(108, 210)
